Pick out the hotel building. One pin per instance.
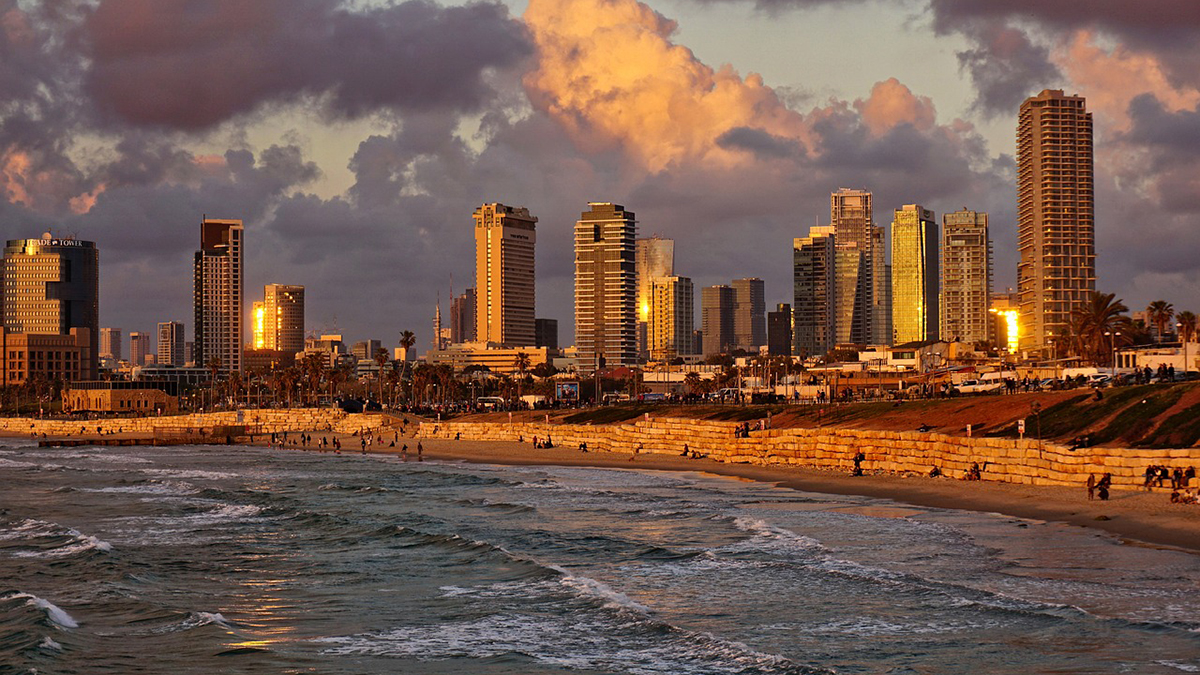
(1055, 216)
(606, 286)
(51, 286)
(504, 275)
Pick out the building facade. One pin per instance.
(505, 238)
(814, 293)
(655, 258)
(779, 330)
(861, 278)
(43, 358)
(462, 318)
(606, 286)
(51, 286)
(1055, 217)
(140, 348)
(283, 318)
(966, 277)
(110, 343)
(546, 331)
(749, 313)
(673, 319)
(170, 344)
(716, 319)
(915, 275)
(218, 295)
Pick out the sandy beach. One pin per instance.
(1138, 518)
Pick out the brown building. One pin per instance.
(1055, 216)
(217, 286)
(267, 360)
(606, 286)
(120, 396)
(48, 358)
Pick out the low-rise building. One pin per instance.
(117, 396)
(50, 358)
(495, 357)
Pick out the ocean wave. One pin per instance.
(54, 613)
(153, 487)
(49, 645)
(189, 474)
(601, 591)
(64, 541)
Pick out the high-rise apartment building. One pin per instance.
(110, 343)
(673, 320)
(505, 237)
(779, 330)
(749, 313)
(814, 295)
(1055, 216)
(655, 258)
(606, 286)
(462, 318)
(860, 268)
(170, 344)
(258, 325)
(283, 318)
(716, 319)
(915, 277)
(139, 348)
(51, 286)
(218, 295)
(966, 277)
(366, 350)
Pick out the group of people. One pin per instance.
(1179, 478)
(1099, 488)
(543, 444)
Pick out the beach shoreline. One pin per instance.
(1134, 517)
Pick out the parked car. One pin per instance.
(979, 386)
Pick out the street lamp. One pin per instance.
(1179, 331)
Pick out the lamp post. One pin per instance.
(1179, 331)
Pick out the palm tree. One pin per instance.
(692, 381)
(381, 358)
(1160, 313)
(1102, 317)
(407, 340)
(1187, 333)
(520, 364)
(214, 367)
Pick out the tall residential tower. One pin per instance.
(217, 275)
(606, 286)
(1055, 216)
(915, 277)
(966, 277)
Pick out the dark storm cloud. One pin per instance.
(762, 144)
(191, 65)
(1005, 67)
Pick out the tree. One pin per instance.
(214, 367)
(1160, 313)
(520, 364)
(407, 340)
(1187, 325)
(692, 381)
(1094, 327)
(381, 358)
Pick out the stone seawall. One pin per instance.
(263, 421)
(1027, 461)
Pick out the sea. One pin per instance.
(229, 559)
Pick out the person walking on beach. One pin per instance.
(1091, 486)
(1103, 485)
(404, 452)
(420, 452)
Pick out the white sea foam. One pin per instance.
(777, 535)
(31, 528)
(118, 459)
(1185, 667)
(53, 612)
(164, 487)
(49, 645)
(611, 598)
(189, 474)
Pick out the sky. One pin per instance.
(354, 139)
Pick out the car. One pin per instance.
(979, 386)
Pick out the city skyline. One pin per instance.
(364, 193)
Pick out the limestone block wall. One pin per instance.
(269, 421)
(1004, 460)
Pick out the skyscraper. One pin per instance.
(51, 286)
(1055, 216)
(655, 258)
(606, 286)
(672, 321)
(966, 276)
(504, 282)
(779, 330)
(749, 313)
(110, 343)
(547, 333)
(218, 295)
(139, 348)
(814, 292)
(462, 317)
(170, 344)
(258, 325)
(716, 319)
(859, 268)
(915, 277)
(283, 310)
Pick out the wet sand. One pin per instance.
(1136, 517)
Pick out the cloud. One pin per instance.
(1006, 67)
(186, 65)
(758, 142)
